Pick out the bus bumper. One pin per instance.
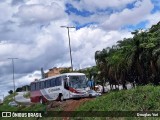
(78, 95)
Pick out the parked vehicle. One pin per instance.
(93, 93)
(13, 103)
(99, 88)
(60, 87)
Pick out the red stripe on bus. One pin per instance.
(73, 90)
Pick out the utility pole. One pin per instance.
(3, 96)
(69, 44)
(13, 74)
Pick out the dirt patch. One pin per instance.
(68, 105)
(73, 104)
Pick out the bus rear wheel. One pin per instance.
(41, 100)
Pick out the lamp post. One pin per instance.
(13, 74)
(69, 44)
(2, 96)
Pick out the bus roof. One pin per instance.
(64, 74)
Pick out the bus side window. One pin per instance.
(33, 87)
(42, 85)
(48, 83)
(53, 82)
(58, 81)
(37, 86)
(45, 84)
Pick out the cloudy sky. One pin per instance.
(30, 30)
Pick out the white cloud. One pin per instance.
(35, 13)
(113, 21)
(129, 16)
(6, 11)
(86, 41)
(27, 79)
(24, 79)
(153, 19)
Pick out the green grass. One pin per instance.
(32, 107)
(5, 106)
(9, 98)
(142, 98)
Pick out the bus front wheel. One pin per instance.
(61, 98)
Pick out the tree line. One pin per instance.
(20, 89)
(135, 60)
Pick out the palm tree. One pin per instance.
(134, 60)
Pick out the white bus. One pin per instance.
(60, 87)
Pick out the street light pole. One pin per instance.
(13, 74)
(3, 96)
(69, 44)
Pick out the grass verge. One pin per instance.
(142, 98)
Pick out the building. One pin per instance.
(56, 71)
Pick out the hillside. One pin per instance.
(142, 98)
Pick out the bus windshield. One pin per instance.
(77, 81)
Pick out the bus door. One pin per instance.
(66, 91)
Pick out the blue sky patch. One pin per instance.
(131, 5)
(108, 11)
(156, 6)
(141, 25)
(79, 26)
(70, 9)
(155, 9)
